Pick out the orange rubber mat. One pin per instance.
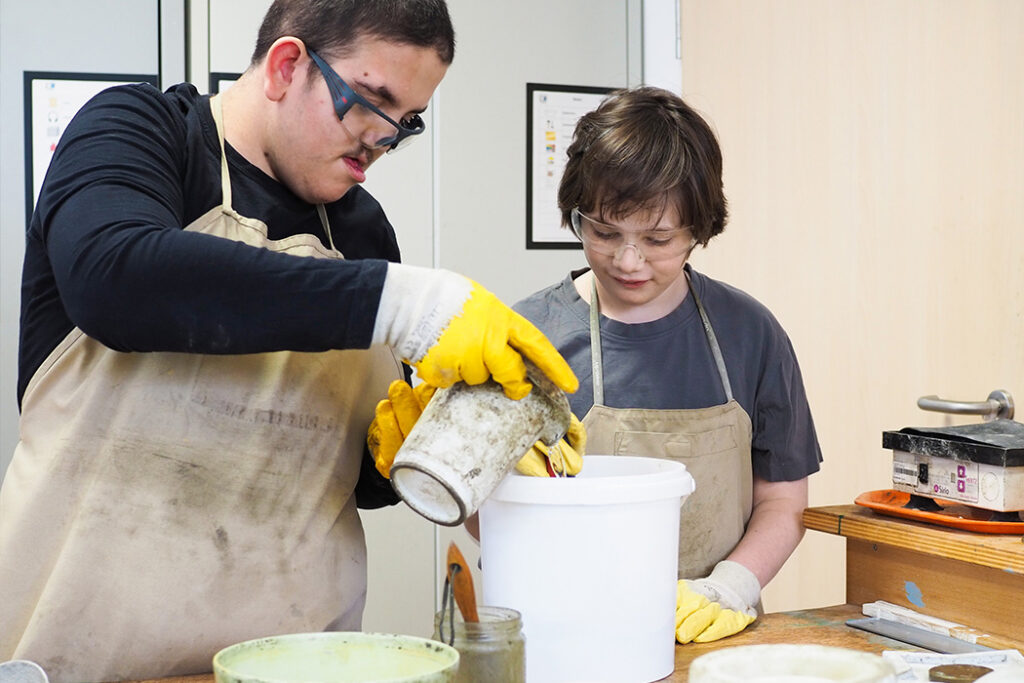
(952, 514)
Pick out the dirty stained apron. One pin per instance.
(713, 443)
(160, 506)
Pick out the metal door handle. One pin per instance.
(999, 404)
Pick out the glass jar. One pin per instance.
(492, 649)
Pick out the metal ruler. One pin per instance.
(912, 635)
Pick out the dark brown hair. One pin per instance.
(640, 149)
(331, 28)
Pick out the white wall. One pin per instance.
(662, 44)
(482, 153)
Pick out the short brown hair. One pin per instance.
(331, 28)
(641, 148)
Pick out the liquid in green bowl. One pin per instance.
(337, 657)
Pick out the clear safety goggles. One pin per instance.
(609, 240)
(363, 115)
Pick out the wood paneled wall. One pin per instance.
(874, 162)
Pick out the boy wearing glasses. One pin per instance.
(211, 308)
(674, 364)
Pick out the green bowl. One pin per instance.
(337, 657)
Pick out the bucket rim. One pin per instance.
(656, 479)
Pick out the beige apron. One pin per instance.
(713, 443)
(161, 506)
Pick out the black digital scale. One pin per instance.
(968, 477)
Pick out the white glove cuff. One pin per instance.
(738, 586)
(416, 305)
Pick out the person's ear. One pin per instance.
(280, 66)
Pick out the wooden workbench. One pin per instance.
(961, 576)
(824, 626)
(970, 578)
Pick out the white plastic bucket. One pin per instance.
(590, 563)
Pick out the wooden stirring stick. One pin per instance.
(462, 583)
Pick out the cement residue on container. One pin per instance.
(468, 439)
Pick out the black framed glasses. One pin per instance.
(347, 102)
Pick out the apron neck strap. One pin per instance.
(225, 179)
(321, 211)
(597, 365)
(716, 351)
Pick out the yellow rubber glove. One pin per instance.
(564, 458)
(718, 606)
(451, 329)
(485, 340)
(393, 419)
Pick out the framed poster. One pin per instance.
(551, 115)
(221, 81)
(51, 101)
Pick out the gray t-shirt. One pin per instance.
(667, 364)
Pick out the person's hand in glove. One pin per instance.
(720, 605)
(565, 458)
(451, 329)
(393, 419)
